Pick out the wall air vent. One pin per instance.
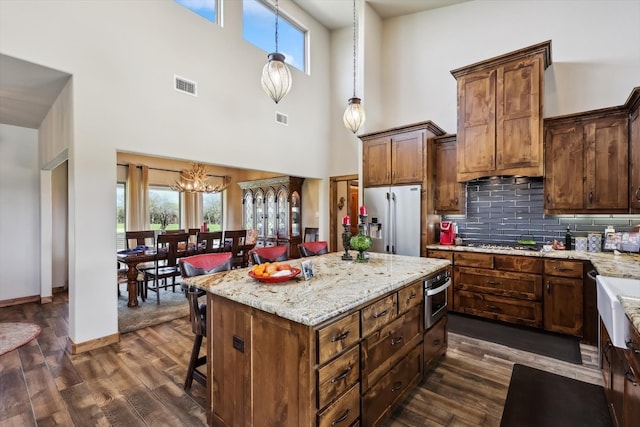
(186, 86)
(283, 119)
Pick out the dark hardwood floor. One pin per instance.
(138, 382)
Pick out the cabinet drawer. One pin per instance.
(435, 342)
(336, 377)
(382, 349)
(496, 307)
(563, 268)
(392, 388)
(410, 297)
(494, 282)
(378, 314)
(344, 411)
(473, 259)
(522, 264)
(338, 336)
(440, 254)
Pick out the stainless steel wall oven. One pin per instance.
(435, 297)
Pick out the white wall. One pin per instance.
(19, 213)
(595, 53)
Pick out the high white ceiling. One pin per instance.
(28, 90)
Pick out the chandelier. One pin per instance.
(354, 115)
(276, 77)
(195, 180)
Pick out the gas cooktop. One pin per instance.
(503, 246)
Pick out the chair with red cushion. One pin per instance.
(313, 248)
(269, 254)
(195, 266)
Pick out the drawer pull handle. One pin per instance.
(436, 342)
(605, 352)
(631, 378)
(637, 193)
(382, 313)
(491, 282)
(412, 296)
(590, 197)
(342, 418)
(561, 269)
(342, 376)
(396, 386)
(549, 198)
(395, 341)
(632, 346)
(340, 337)
(494, 307)
(548, 287)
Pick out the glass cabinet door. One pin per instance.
(283, 213)
(249, 216)
(259, 209)
(270, 201)
(295, 214)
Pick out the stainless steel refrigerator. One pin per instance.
(394, 219)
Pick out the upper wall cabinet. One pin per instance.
(634, 150)
(449, 195)
(396, 156)
(500, 114)
(587, 162)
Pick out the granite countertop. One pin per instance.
(606, 264)
(631, 307)
(336, 286)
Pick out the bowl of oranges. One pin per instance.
(273, 272)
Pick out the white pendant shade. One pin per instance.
(276, 77)
(354, 116)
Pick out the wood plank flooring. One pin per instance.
(138, 382)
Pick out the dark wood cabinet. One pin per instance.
(396, 156)
(449, 195)
(563, 292)
(435, 343)
(586, 158)
(634, 150)
(500, 114)
(273, 206)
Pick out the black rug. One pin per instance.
(541, 399)
(561, 347)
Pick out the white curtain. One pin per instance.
(137, 189)
(191, 210)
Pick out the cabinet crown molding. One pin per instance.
(426, 125)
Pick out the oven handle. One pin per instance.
(439, 289)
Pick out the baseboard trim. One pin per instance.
(82, 347)
(21, 300)
(46, 300)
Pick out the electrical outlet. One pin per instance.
(238, 344)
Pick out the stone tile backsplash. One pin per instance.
(502, 209)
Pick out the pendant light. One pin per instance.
(276, 77)
(354, 115)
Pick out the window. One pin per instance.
(212, 210)
(164, 208)
(258, 28)
(205, 8)
(120, 215)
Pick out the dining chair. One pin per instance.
(234, 242)
(312, 232)
(141, 238)
(195, 266)
(313, 248)
(193, 235)
(269, 254)
(210, 241)
(182, 230)
(165, 263)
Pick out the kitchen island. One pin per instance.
(341, 348)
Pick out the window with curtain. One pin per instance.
(259, 28)
(164, 208)
(120, 215)
(212, 210)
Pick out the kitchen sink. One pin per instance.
(609, 307)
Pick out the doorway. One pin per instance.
(344, 194)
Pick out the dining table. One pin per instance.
(139, 255)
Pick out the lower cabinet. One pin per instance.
(435, 343)
(563, 293)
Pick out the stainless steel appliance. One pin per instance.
(435, 297)
(394, 219)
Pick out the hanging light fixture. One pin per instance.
(195, 180)
(276, 77)
(354, 115)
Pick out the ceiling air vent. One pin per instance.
(183, 85)
(283, 119)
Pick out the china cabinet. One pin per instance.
(273, 207)
(634, 150)
(500, 114)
